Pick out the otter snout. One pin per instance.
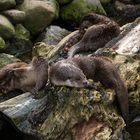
(85, 83)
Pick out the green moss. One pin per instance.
(78, 9)
(22, 32)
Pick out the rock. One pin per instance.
(22, 32)
(6, 28)
(7, 4)
(128, 42)
(39, 14)
(129, 11)
(105, 1)
(129, 67)
(53, 35)
(137, 1)
(2, 43)
(15, 16)
(20, 45)
(77, 9)
(64, 1)
(19, 1)
(7, 59)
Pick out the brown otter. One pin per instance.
(95, 37)
(26, 77)
(74, 72)
(88, 21)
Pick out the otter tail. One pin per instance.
(73, 50)
(122, 96)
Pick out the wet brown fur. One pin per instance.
(26, 77)
(88, 21)
(98, 69)
(95, 37)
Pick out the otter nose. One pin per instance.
(85, 83)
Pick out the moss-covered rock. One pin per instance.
(22, 32)
(77, 9)
(39, 14)
(7, 4)
(6, 28)
(64, 1)
(15, 16)
(20, 45)
(7, 59)
(2, 43)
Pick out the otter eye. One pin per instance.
(69, 77)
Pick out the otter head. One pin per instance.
(65, 74)
(6, 80)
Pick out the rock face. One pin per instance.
(39, 14)
(6, 28)
(77, 9)
(7, 4)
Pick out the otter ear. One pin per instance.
(11, 73)
(15, 73)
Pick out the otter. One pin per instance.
(95, 37)
(88, 21)
(26, 77)
(74, 72)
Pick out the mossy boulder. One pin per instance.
(20, 45)
(15, 16)
(64, 1)
(7, 4)
(2, 43)
(39, 14)
(77, 9)
(22, 32)
(7, 59)
(6, 28)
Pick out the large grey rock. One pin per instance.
(6, 28)
(7, 59)
(77, 9)
(15, 16)
(39, 14)
(53, 35)
(7, 4)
